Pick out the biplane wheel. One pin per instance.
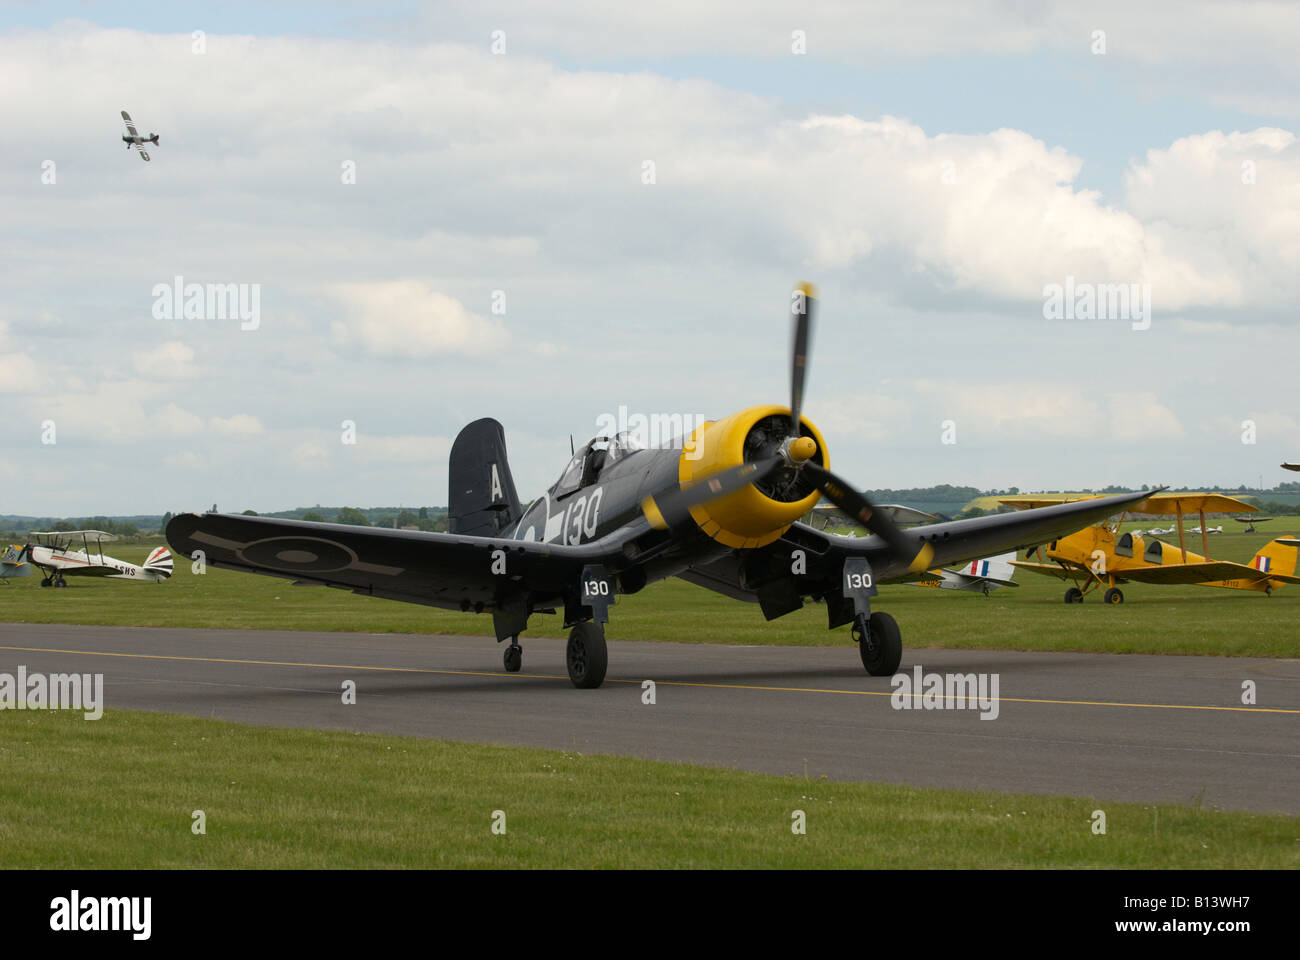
(1074, 595)
(514, 657)
(1113, 595)
(60, 582)
(47, 583)
(586, 655)
(880, 645)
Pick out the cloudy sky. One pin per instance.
(525, 211)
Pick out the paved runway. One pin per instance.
(1140, 728)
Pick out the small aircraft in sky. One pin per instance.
(57, 553)
(14, 563)
(1100, 556)
(720, 508)
(1250, 522)
(133, 138)
(983, 575)
(1291, 466)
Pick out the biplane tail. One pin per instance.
(1279, 556)
(159, 563)
(482, 500)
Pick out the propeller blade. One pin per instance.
(918, 555)
(671, 507)
(802, 302)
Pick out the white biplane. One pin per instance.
(81, 553)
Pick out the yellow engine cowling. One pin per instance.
(747, 518)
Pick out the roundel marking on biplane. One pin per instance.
(299, 554)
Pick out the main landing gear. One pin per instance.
(514, 656)
(586, 655)
(880, 643)
(1113, 595)
(54, 581)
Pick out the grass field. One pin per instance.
(1183, 619)
(120, 792)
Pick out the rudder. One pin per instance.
(481, 500)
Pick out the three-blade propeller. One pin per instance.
(672, 506)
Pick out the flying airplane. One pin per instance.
(1291, 466)
(133, 138)
(1101, 556)
(720, 510)
(14, 564)
(1250, 522)
(57, 554)
(983, 575)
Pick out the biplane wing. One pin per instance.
(1058, 570)
(1211, 571)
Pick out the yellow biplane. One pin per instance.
(1101, 556)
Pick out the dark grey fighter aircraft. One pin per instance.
(133, 138)
(721, 510)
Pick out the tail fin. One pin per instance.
(482, 500)
(159, 562)
(1279, 556)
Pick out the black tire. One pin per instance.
(882, 649)
(60, 582)
(1074, 595)
(586, 656)
(47, 583)
(514, 658)
(1113, 595)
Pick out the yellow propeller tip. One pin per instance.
(922, 560)
(651, 511)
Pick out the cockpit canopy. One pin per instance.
(593, 457)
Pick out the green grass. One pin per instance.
(1174, 620)
(119, 793)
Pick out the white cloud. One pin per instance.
(172, 360)
(405, 318)
(238, 425)
(172, 421)
(403, 449)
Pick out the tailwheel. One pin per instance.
(880, 644)
(1074, 595)
(1113, 595)
(514, 656)
(586, 655)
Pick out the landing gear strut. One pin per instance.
(586, 656)
(880, 643)
(514, 656)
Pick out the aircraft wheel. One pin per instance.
(1074, 595)
(1113, 595)
(514, 657)
(881, 648)
(60, 582)
(47, 583)
(586, 655)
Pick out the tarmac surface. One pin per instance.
(1113, 727)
